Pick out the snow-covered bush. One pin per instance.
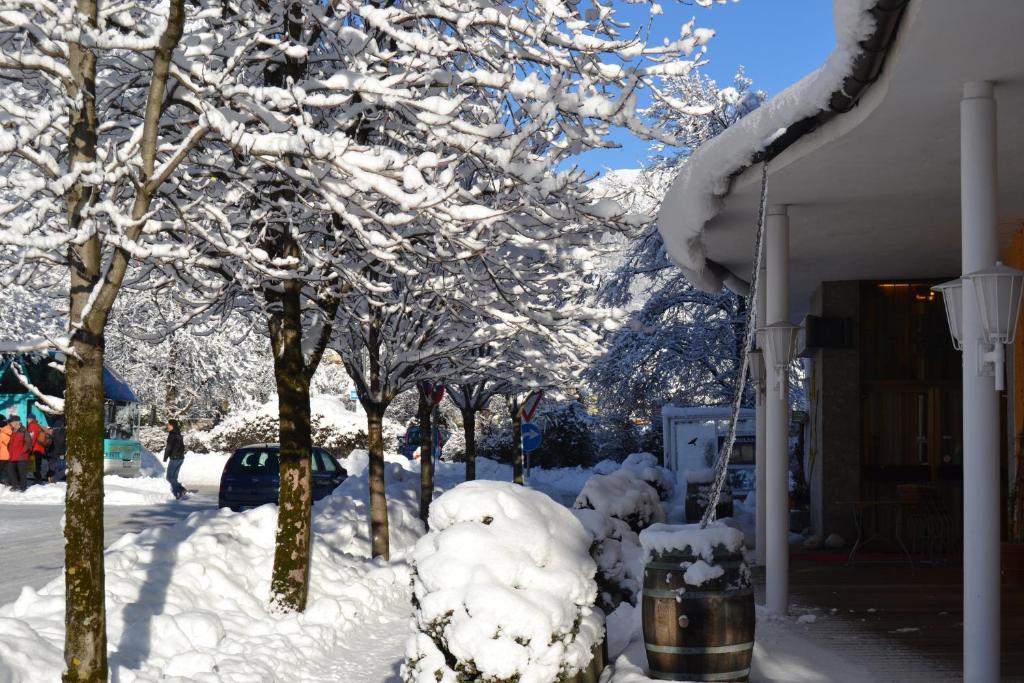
(646, 467)
(503, 589)
(334, 428)
(624, 496)
(606, 466)
(455, 447)
(616, 551)
(154, 438)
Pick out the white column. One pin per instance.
(980, 244)
(776, 479)
(760, 444)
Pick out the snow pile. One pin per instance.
(624, 496)
(696, 194)
(645, 466)
(192, 600)
(659, 539)
(700, 572)
(606, 466)
(503, 588)
(151, 464)
(700, 476)
(202, 469)
(116, 491)
(616, 550)
(334, 427)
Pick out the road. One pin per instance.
(32, 543)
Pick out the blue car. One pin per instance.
(251, 476)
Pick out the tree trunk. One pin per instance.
(517, 446)
(426, 454)
(378, 499)
(469, 428)
(290, 580)
(85, 644)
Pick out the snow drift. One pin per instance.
(192, 600)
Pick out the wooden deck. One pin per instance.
(903, 623)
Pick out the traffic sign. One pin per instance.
(531, 436)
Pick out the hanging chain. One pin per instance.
(722, 466)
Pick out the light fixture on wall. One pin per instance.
(755, 359)
(952, 297)
(779, 342)
(998, 290)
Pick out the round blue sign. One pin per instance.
(531, 436)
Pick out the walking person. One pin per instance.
(40, 442)
(19, 449)
(174, 452)
(5, 457)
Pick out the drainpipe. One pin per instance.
(776, 479)
(980, 247)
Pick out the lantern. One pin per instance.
(952, 297)
(998, 290)
(778, 341)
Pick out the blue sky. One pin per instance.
(778, 41)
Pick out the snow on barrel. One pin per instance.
(698, 603)
(503, 590)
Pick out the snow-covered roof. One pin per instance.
(696, 194)
(872, 182)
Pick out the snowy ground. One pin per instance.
(116, 491)
(188, 588)
(32, 543)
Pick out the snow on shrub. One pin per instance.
(645, 466)
(624, 496)
(606, 466)
(191, 601)
(503, 587)
(334, 427)
(615, 549)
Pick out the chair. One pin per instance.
(928, 526)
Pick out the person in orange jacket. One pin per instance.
(19, 448)
(40, 440)
(5, 457)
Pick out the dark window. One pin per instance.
(329, 466)
(255, 462)
(743, 450)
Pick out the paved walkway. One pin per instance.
(32, 539)
(902, 623)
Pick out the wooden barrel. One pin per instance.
(697, 498)
(592, 674)
(698, 633)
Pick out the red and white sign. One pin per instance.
(531, 404)
(434, 391)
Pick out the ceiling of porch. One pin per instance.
(875, 193)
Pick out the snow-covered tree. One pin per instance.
(289, 146)
(90, 134)
(207, 368)
(680, 344)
